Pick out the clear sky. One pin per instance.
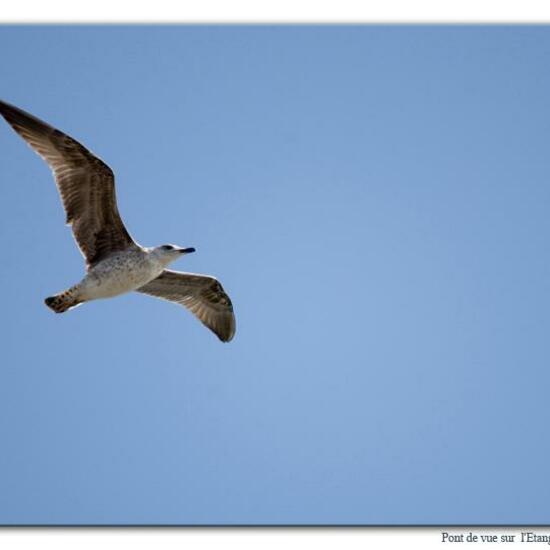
(376, 202)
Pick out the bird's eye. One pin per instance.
(167, 247)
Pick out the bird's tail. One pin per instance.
(64, 300)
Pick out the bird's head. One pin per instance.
(167, 253)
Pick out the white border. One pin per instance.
(281, 11)
(226, 538)
(379, 538)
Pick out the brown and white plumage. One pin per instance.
(116, 263)
(202, 295)
(86, 185)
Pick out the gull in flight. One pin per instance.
(115, 263)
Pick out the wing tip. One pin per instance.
(225, 338)
(18, 118)
(8, 111)
(225, 331)
(7, 108)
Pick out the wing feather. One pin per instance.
(202, 295)
(86, 185)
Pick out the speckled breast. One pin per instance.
(118, 274)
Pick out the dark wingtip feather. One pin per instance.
(8, 110)
(17, 117)
(226, 332)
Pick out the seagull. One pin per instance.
(115, 263)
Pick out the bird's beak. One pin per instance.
(186, 250)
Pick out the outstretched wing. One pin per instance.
(202, 295)
(86, 185)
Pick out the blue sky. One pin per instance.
(374, 199)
